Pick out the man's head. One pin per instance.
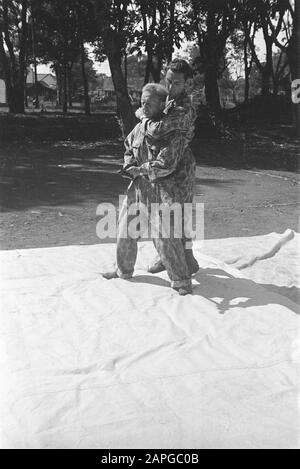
(153, 99)
(179, 78)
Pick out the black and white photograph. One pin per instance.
(150, 237)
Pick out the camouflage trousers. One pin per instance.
(179, 188)
(170, 249)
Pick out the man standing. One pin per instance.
(178, 124)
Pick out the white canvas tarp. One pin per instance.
(91, 363)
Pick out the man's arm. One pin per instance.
(167, 159)
(165, 163)
(176, 119)
(129, 158)
(172, 130)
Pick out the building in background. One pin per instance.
(108, 90)
(105, 92)
(46, 86)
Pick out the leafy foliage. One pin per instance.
(140, 37)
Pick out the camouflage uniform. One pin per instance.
(160, 149)
(174, 167)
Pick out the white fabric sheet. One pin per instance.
(91, 363)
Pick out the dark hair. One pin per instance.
(181, 66)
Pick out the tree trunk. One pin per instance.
(6, 68)
(14, 69)
(87, 105)
(113, 48)
(157, 62)
(171, 31)
(126, 69)
(247, 87)
(265, 77)
(212, 92)
(267, 70)
(155, 72)
(267, 73)
(65, 89)
(127, 117)
(275, 86)
(22, 59)
(37, 100)
(148, 68)
(247, 69)
(291, 52)
(15, 92)
(34, 64)
(69, 71)
(16, 98)
(58, 74)
(25, 90)
(85, 82)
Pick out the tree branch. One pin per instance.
(251, 44)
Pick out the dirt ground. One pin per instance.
(50, 188)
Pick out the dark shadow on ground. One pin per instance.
(151, 279)
(217, 182)
(214, 282)
(66, 173)
(59, 174)
(293, 293)
(256, 151)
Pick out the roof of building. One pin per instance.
(41, 84)
(40, 77)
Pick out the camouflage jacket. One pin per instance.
(158, 146)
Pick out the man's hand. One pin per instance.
(123, 172)
(170, 104)
(134, 172)
(139, 171)
(139, 113)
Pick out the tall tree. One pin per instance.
(214, 21)
(162, 28)
(77, 85)
(268, 16)
(114, 22)
(62, 30)
(87, 32)
(13, 41)
(56, 34)
(249, 27)
(281, 70)
(286, 11)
